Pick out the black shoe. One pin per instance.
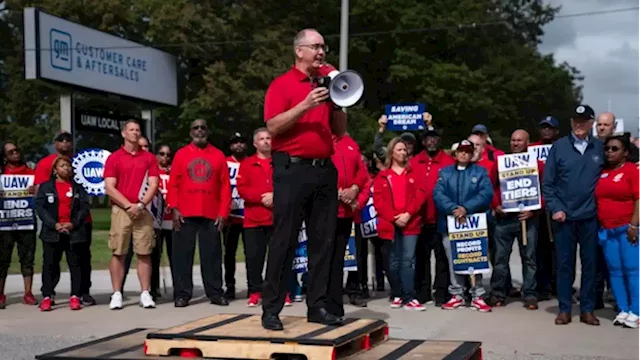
(357, 300)
(230, 294)
(181, 303)
(365, 292)
(88, 300)
(271, 322)
(219, 300)
(322, 316)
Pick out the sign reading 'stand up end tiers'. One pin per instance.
(519, 182)
(405, 117)
(16, 203)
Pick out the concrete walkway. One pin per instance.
(510, 332)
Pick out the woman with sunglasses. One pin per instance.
(617, 199)
(13, 164)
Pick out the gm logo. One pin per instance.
(60, 53)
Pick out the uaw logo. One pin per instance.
(61, 55)
(88, 168)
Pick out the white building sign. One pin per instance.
(62, 51)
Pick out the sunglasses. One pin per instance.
(611, 148)
(13, 151)
(199, 127)
(64, 139)
(162, 153)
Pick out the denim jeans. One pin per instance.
(622, 260)
(508, 229)
(457, 280)
(402, 258)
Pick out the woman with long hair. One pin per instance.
(12, 163)
(63, 207)
(399, 193)
(617, 200)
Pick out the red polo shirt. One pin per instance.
(310, 136)
(255, 177)
(616, 193)
(130, 170)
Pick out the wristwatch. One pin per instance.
(140, 206)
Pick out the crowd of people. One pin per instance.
(307, 169)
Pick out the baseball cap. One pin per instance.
(407, 136)
(237, 137)
(465, 145)
(584, 112)
(551, 121)
(479, 128)
(61, 135)
(429, 132)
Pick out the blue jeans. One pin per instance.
(402, 258)
(622, 260)
(567, 236)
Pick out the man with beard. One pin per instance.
(430, 161)
(63, 145)
(234, 229)
(199, 197)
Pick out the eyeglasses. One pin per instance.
(13, 151)
(316, 47)
(611, 148)
(64, 139)
(162, 153)
(199, 127)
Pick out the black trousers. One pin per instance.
(184, 248)
(430, 240)
(162, 236)
(357, 281)
(51, 257)
(25, 241)
(231, 238)
(545, 259)
(256, 241)
(301, 191)
(335, 305)
(85, 261)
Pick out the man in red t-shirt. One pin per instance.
(489, 152)
(131, 181)
(199, 197)
(233, 230)
(299, 118)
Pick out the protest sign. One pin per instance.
(519, 182)
(237, 204)
(541, 151)
(300, 259)
(469, 244)
(404, 117)
(17, 205)
(369, 216)
(350, 260)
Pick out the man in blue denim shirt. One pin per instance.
(571, 173)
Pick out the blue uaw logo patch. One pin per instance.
(88, 169)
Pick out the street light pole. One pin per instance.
(344, 35)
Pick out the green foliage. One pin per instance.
(229, 51)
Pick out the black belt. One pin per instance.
(305, 161)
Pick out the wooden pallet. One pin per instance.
(241, 336)
(129, 345)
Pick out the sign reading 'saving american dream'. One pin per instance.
(63, 51)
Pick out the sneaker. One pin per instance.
(620, 318)
(631, 321)
(396, 303)
(255, 299)
(480, 305)
(287, 300)
(88, 300)
(46, 304)
(414, 305)
(455, 302)
(74, 303)
(298, 298)
(3, 301)
(116, 301)
(29, 299)
(146, 300)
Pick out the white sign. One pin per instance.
(63, 51)
(541, 152)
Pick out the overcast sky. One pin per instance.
(604, 48)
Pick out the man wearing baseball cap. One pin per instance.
(489, 152)
(549, 128)
(571, 173)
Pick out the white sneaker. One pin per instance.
(116, 301)
(620, 318)
(146, 300)
(631, 321)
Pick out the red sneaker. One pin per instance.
(29, 299)
(396, 303)
(255, 299)
(453, 303)
(75, 303)
(414, 305)
(3, 301)
(45, 305)
(480, 305)
(287, 300)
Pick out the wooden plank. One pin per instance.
(251, 327)
(420, 350)
(200, 323)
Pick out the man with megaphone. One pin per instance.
(298, 116)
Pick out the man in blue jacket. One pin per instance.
(570, 175)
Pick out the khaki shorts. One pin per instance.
(122, 227)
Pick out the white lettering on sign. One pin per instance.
(405, 108)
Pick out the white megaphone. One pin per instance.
(346, 87)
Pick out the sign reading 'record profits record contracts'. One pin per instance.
(469, 244)
(65, 52)
(401, 117)
(16, 204)
(519, 182)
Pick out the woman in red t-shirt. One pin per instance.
(617, 200)
(399, 193)
(63, 207)
(12, 164)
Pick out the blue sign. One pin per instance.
(61, 55)
(469, 244)
(88, 169)
(369, 216)
(16, 204)
(350, 259)
(519, 182)
(300, 258)
(405, 117)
